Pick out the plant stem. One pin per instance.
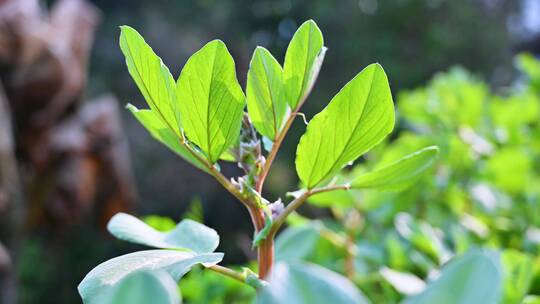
(297, 202)
(265, 250)
(273, 152)
(228, 273)
(217, 175)
(349, 257)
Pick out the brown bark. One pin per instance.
(75, 158)
(10, 206)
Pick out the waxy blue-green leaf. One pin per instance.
(152, 77)
(471, 279)
(176, 263)
(398, 175)
(139, 287)
(157, 128)
(305, 283)
(210, 99)
(266, 101)
(359, 117)
(296, 243)
(187, 235)
(303, 61)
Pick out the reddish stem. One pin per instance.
(265, 251)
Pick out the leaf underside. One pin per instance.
(359, 117)
(211, 101)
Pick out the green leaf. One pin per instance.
(471, 279)
(163, 134)
(302, 62)
(108, 274)
(140, 286)
(266, 100)
(152, 77)
(422, 236)
(518, 274)
(398, 175)
(531, 299)
(296, 243)
(300, 282)
(405, 283)
(187, 235)
(358, 118)
(211, 100)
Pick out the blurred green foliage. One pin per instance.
(484, 192)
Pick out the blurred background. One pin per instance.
(72, 156)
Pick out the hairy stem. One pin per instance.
(265, 250)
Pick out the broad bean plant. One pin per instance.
(206, 117)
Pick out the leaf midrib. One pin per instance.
(144, 84)
(274, 114)
(331, 168)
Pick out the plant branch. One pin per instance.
(273, 152)
(239, 276)
(217, 175)
(297, 202)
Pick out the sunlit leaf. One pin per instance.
(405, 283)
(358, 118)
(210, 99)
(163, 134)
(108, 274)
(302, 62)
(152, 77)
(400, 174)
(187, 235)
(265, 92)
(299, 283)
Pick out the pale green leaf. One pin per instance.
(266, 101)
(359, 117)
(152, 77)
(163, 134)
(305, 283)
(531, 299)
(187, 235)
(140, 286)
(405, 283)
(400, 174)
(471, 279)
(210, 99)
(108, 274)
(302, 62)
